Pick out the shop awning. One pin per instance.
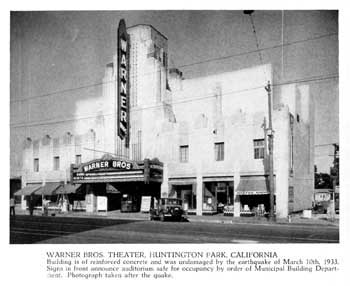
(111, 189)
(182, 181)
(28, 190)
(67, 189)
(218, 179)
(253, 186)
(208, 193)
(48, 189)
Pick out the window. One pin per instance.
(77, 159)
(184, 153)
(219, 151)
(36, 165)
(259, 148)
(56, 163)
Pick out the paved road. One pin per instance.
(61, 230)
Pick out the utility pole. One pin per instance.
(270, 135)
(265, 141)
(335, 177)
(269, 130)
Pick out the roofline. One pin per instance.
(148, 26)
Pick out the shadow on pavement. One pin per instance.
(25, 229)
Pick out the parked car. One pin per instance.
(168, 208)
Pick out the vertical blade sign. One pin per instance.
(123, 82)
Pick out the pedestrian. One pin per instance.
(12, 207)
(45, 207)
(60, 204)
(31, 205)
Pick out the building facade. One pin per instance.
(201, 140)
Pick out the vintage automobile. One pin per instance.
(167, 208)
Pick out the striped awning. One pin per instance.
(48, 189)
(255, 185)
(67, 189)
(28, 190)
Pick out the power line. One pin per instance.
(334, 76)
(259, 50)
(256, 37)
(314, 78)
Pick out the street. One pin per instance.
(76, 230)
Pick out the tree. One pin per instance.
(323, 181)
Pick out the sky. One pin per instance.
(52, 52)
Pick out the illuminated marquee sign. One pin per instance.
(123, 82)
(110, 164)
(106, 170)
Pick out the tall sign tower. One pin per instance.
(123, 80)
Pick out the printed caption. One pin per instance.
(169, 264)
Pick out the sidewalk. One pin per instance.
(296, 219)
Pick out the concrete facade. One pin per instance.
(168, 112)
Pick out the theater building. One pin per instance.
(151, 132)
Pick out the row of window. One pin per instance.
(56, 163)
(219, 151)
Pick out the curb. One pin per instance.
(313, 222)
(310, 224)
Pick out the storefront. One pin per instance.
(184, 189)
(115, 184)
(217, 193)
(254, 196)
(56, 195)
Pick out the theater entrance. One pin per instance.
(114, 184)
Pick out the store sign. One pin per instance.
(123, 82)
(242, 193)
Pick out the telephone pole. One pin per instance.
(269, 130)
(270, 157)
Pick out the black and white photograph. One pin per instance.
(169, 144)
(174, 126)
